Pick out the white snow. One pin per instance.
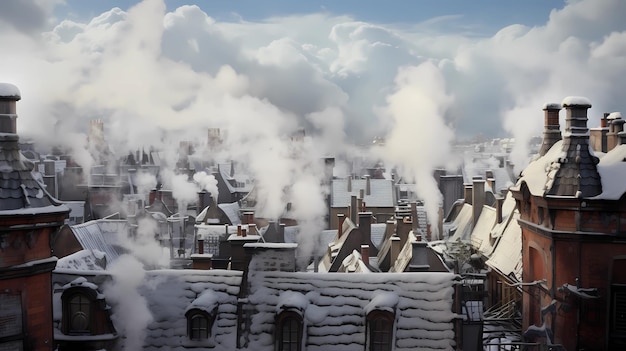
(9, 90)
(614, 115)
(576, 100)
(552, 106)
(383, 300)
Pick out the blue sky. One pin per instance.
(485, 16)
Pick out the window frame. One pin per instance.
(289, 319)
(198, 314)
(89, 295)
(380, 324)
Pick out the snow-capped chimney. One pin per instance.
(396, 246)
(340, 218)
(616, 125)
(9, 96)
(365, 254)
(551, 131)
(576, 174)
(478, 198)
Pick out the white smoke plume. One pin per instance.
(132, 315)
(207, 182)
(419, 140)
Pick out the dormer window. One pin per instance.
(78, 310)
(380, 330)
(289, 331)
(199, 324)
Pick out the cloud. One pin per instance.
(157, 77)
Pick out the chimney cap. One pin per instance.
(614, 115)
(576, 101)
(9, 91)
(552, 106)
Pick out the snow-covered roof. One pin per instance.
(353, 263)
(335, 315)
(101, 235)
(507, 255)
(539, 175)
(612, 170)
(171, 293)
(231, 210)
(461, 225)
(381, 192)
(481, 233)
(83, 260)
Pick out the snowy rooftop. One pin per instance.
(381, 192)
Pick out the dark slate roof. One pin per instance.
(575, 173)
(18, 188)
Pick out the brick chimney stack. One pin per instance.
(365, 227)
(616, 125)
(340, 218)
(551, 131)
(478, 198)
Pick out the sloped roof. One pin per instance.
(481, 233)
(612, 169)
(381, 192)
(338, 303)
(19, 191)
(461, 226)
(169, 293)
(231, 211)
(101, 235)
(507, 255)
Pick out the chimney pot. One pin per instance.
(368, 185)
(200, 246)
(551, 132)
(243, 232)
(499, 202)
(478, 198)
(365, 227)
(239, 229)
(365, 254)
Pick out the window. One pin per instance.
(198, 325)
(289, 331)
(78, 311)
(11, 333)
(380, 330)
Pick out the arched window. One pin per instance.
(78, 309)
(199, 324)
(289, 331)
(380, 330)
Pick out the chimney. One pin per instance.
(349, 184)
(353, 208)
(478, 198)
(396, 246)
(365, 227)
(244, 232)
(499, 202)
(403, 224)
(551, 131)
(368, 185)
(340, 218)
(9, 97)
(440, 224)
(414, 217)
(362, 194)
(204, 200)
(152, 196)
(615, 127)
(577, 174)
(363, 206)
(281, 232)
(419, 257)
(604, 121)
(248, 217)
(365, 254)
(239, 230)
(201, 246)
(467, 193)
(252, 229)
